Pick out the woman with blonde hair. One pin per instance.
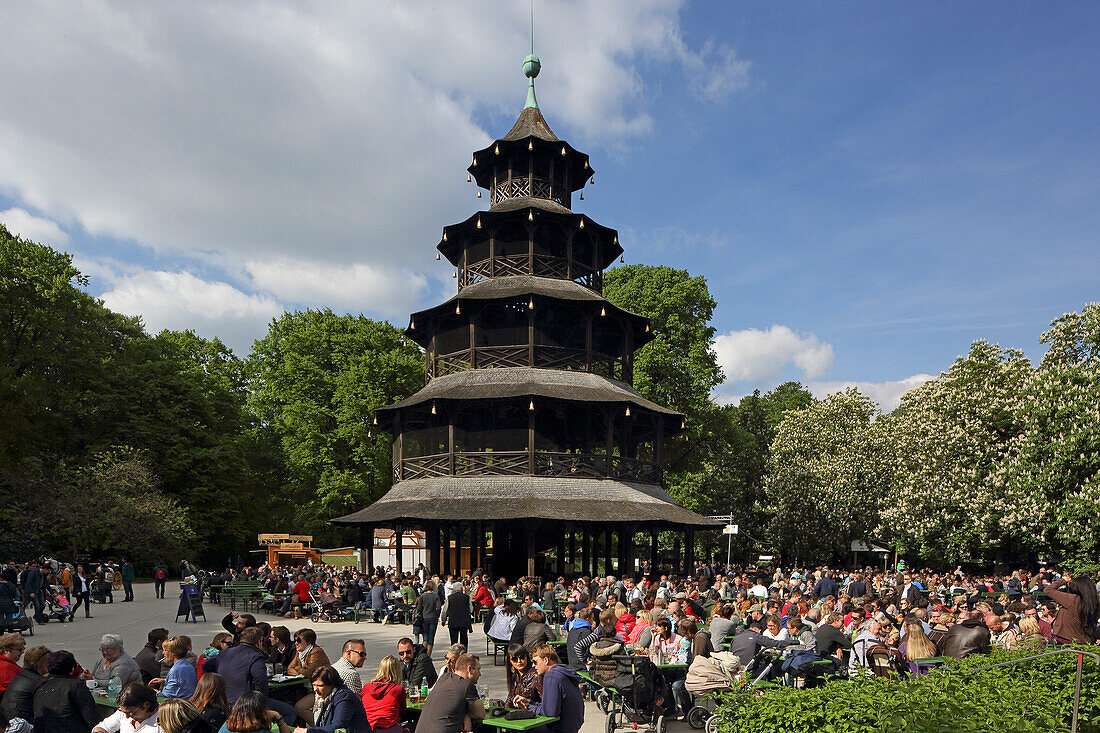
(181, 716)
(384, 697)
(916, 644)
(643, 623)
(1030, 634)
(181, 678)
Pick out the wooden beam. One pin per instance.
(399, 532)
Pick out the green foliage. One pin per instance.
(678, 368)
(315, 379)
(1033, 696)
(826, 475)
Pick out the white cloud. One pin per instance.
(886, 394)
(754, 355)
(325, 132)
(350, 287)
(180, 301)
(36, 229)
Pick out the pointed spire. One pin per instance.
(531, 66)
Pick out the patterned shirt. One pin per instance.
(350, 675)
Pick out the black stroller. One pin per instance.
(643, 693)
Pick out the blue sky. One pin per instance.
(868, 187)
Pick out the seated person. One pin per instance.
(523, 681)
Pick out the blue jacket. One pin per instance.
(378, 597)
(561, 698)
(181, 680)
(244, 668)
(344, 710)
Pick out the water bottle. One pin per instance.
(113, 687)
(423, 688)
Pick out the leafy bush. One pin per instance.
(1029, 696)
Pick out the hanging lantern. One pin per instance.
(603, 311)
(593, 181)
(531, 304)
(496, 150)
(530, 216)
(647, 328)
(412, 324)
(582, 195)
(531, 406)
(376, 420)
(622, 259)
(479, 222)
(563, 150)
(615, 239)
(586, 164)
(475, 163)
(531, 145)
(479, 193)
(683, 424)
(444, 235)
(455, 274)
(469, 178)
(458, 309)
(433, 408)
(628, 410)
(582, 223)
(437, 256)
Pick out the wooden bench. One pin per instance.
(246, 592)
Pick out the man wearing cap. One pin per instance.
(755, 620)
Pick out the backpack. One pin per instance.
(160, 575)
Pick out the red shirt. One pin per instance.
(384, 703)
(8, 670)
(301, 589)
(483, 597)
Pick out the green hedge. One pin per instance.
(1030, 696)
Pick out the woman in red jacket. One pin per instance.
(384, 697)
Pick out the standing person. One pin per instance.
(63, 703)
(384, 697)
(428, 608)
(458, 615)
(561, 693)
(244, 666)
(127, 572)
(160, 578)
(1076, 619)
(34, 586)
(82, 590)
(454, 705)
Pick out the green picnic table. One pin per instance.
(105, 699)
(288, 682)
(499, 722)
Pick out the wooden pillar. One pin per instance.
(531, 440)
(561, 550)
(621, 535)
(446, 550)
(399, 541)
(584, 550)
(609, 414)
(676, 552)
(653, 550)
(365, 542)
(607, 550)
(629, 551)
(451, 442)
(572, 547)
(530, 530)
(368, 554)
(431, 539)
(689, 556)
(477, 556)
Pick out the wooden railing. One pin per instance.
(550, 357)
(517, 463)
(521, 264)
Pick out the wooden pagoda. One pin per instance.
(528, 451)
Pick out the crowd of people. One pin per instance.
(52, 589)
(871, 621)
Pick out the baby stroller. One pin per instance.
(707, 675)
(13, 616)
(319, 610)
(56, 606)
(644, 695)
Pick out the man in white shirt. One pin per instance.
(137, 712)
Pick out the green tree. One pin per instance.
(315, 379)
(826, 476)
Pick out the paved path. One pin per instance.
(134, 620)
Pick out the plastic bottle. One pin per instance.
(112, 686)
(423, 688)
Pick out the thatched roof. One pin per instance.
(487, 384)
(526, 497)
